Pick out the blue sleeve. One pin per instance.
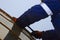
(32, 15)
(54, 5)
(50, 35)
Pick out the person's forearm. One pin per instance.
(32, 15)
(50, 34)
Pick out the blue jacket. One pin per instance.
(37, 13)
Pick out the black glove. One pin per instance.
(37, 34)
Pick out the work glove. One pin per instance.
(14, 19)
(37, 34)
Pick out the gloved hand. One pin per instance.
(37, 34)
(14, 19)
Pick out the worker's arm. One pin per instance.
(50, 34)
(32, 15)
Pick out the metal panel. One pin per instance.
(8, 22)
